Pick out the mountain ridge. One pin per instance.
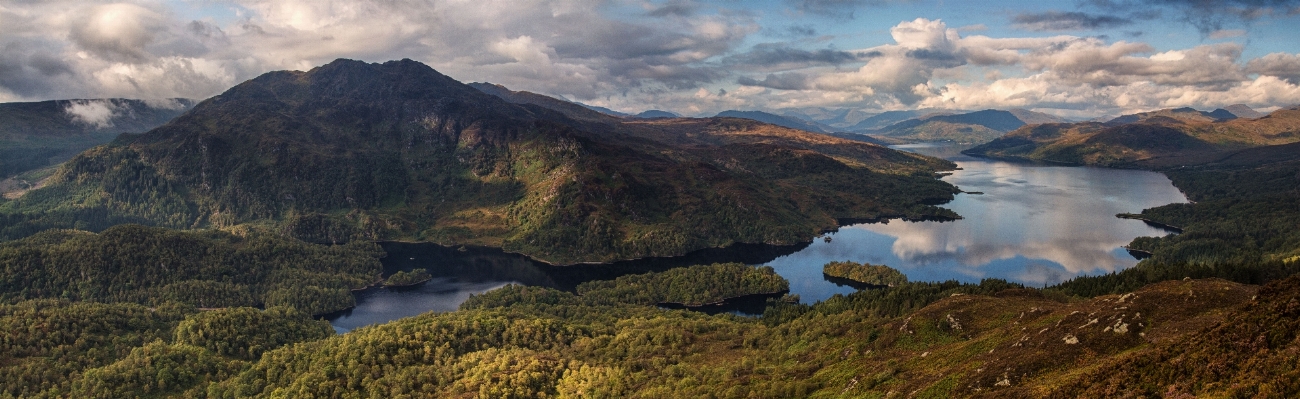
(351, 150)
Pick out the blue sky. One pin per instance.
(1083, 58)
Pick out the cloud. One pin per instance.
(1207, 16)
(95, 113)
(780, 54)
(137, 48)
(1280, 65)
(625, 55)
(1060, 21)
(834, 8)
(675, 8)
(785, 81)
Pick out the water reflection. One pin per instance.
(463, 271)
(1033, 224)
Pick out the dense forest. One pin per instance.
(690, 286)
(993, 339)
(208, 269)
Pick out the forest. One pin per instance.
(407, 278)
(137, 311)
(207, 269)
(877, 275)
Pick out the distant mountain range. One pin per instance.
(398, 151)
(793, 123)
(971, 127)
(1188, 115)
(34, 135)
(654, 113)
(1155, 139)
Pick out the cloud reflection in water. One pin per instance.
(1037, 225)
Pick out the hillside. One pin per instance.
(1149, 140)
(793, 123)
(970, 128)
(40, 134)
(934, 339)
(352, 150)
(1212, 313)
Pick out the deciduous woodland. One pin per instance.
(188, 261)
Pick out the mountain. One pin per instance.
(38, 134)
(836, 118)
(1243, 111)
(603, 110)
(972, 127)
(398, 151)
(569, 109)
(654, 113)
(1035, 118)
(1173, 116)
(1147, 140)
(886, 118)
(774, 119)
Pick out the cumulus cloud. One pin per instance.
(65, 48)
(1055, 20)
(1280, 65)
(930, 65)
(629, 55)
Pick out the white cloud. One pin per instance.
(590, 51)
(96, 113)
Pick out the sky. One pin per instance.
(1074, 58)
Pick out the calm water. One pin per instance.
(1033, 224)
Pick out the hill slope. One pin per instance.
(971, 127)
(398, 151)
(38, 134)
(1148, 140)
(774, 119)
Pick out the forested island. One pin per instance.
(408, 278)
(692, 286)
(876, 275)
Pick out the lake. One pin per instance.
(1033, 224)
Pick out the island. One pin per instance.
(693, 286)
(865, 273)
(407, 279)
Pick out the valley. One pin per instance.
(546, 244)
